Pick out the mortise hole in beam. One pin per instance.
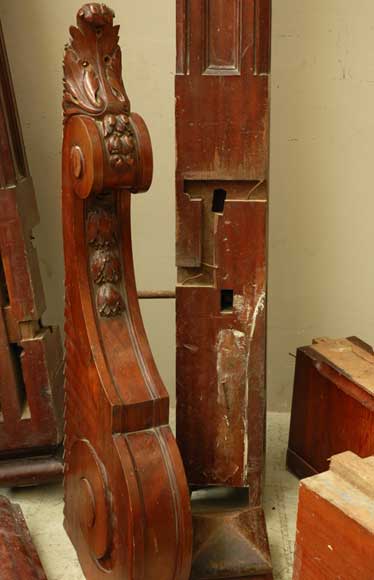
(4, 295)
(219, 198)
(16, 353)
(227, 300)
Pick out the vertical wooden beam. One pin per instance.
(222, 123)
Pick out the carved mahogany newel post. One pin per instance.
(126, 498)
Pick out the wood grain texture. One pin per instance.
(335, 531)
(127, 507)
(333, 404)
(222, 126)
(18, 556)
(31, 381)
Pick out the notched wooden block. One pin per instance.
(335, 525)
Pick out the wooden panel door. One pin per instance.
(222, 125)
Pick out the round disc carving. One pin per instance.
(76, 161)
(91, 497)
(86, 156)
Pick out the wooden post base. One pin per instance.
(18, 556)
(30, 471)
(231, 545)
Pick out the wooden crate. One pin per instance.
(333, 404)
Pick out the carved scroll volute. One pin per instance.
(110, 146)
(127, 508)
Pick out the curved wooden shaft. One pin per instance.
(126, 498)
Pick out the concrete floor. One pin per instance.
(43, 507)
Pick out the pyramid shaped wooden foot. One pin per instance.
(231, 545)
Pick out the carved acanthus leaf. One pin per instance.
(92, 65)
(114, 75)
(105, 264)
(109, 301)
(101, 228)
(105, 267)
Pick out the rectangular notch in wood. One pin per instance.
(223, 25)
(12, 387)
(227, 300)
(200, 207)
(4, 294)
(219, 198)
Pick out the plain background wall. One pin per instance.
(321, 274)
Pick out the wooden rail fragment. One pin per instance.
(333, 404)
(31, 378)
(127, 508)
(222, 127)
(19, 559)
(335, 525)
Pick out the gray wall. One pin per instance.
(321, 274)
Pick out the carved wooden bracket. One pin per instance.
(126, 498)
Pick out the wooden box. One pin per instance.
(333, 404)
(335, 525)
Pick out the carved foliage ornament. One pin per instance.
(92, 65)
(93, 81)
(105, 264)
(93, 87)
